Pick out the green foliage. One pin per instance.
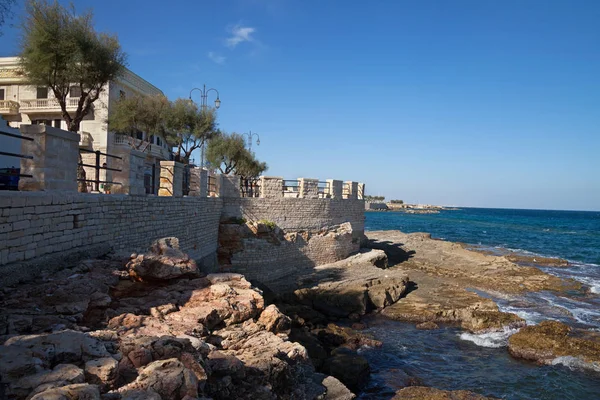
(269, 224)
(397, 201)
(189, 127)
(228, 153)
(60, 49)
(140, 113)
(180, 122)
(374, 198)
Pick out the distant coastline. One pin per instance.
(407, 208)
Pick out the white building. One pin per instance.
(21, 103)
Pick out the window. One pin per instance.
(151, 140)
(42, 122)
(75, 91)
(140, 135)
(42, 93)
(57, 123)
(121, 94)
(2, 94)
(158, 141)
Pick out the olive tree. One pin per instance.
(140, 113)
(60, 49)
(228, 153)
(189, 127)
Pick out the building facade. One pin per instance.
(21, 103)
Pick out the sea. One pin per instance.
(451, 359)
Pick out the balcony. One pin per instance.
(149, 148)
(47, 105)
(9, 107)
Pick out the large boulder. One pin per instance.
(274, 320)
(80, 391)
(168, 378)
(350, 368)
(165, 261)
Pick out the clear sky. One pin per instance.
(471, 103)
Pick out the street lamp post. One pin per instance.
(203, 107)
(250, 135)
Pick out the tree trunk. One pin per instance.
(81, 183)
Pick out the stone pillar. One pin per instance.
(351, 190)
(361, 191)
(271, 187)
(309, 188)
(334, 189)
(55, 157)
(230, 186)
(198, 182)
(171, 179)
(131, 176)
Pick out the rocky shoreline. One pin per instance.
(154, 327)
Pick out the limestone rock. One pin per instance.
(169, 378)
(427, 393)
(101, 371)
(274, 320)
(61, 347)
(551, 341)
(64, 374)
(164, 262)
(81, 391)
(336, 390)
(350, 368)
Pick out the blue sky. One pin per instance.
(470, 103)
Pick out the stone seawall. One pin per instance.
(291, 214)
(49, 230)
(42, 228)
(295, 236)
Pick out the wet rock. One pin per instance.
(350, 368)
(427, 393)
(551, 341)
(429, 325)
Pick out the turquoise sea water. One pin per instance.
(450, 359)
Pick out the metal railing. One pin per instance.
(13, 172)
(97, 167)
(9, 107)
(250, 187)
(324, 189)
(48, 104)
(291, 187)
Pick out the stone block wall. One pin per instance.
(309, 188)
(131, 176)
(38, 225)
(271, 187)
(55, 157)
(171, 179)
(315, 232)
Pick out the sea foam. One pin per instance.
(490, 339)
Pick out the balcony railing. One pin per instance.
(9, 107)
(147, 147)
(48, 105)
